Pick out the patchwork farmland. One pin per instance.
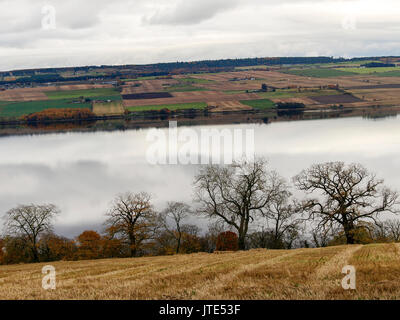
(319, 86)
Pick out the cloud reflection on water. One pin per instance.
(81, 172)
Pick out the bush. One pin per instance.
(227, 241)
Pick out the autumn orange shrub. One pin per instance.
(227, 241)
(54, 248)
(59, 114)
(90, 245)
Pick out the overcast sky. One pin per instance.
(92, 32)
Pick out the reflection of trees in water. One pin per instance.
(190, 118)
(380, 115)
(290, 113)
(49, 126)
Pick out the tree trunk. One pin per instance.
(178, 247)
(35, 254)
(132, 247)
(349, 238)
(241, 242)
(349, 232)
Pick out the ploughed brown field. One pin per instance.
(257, 274)
(342, 98)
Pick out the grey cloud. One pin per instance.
(148, 31)
(189, 12)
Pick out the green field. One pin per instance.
(234, 91)
(388, 74)
(172, 107)
(105, 98)
(260, 104)
(252, 67)
(57, 100)
(319, 73)
(183, 88)
(90, 93)
(18, 109)
(370, 70)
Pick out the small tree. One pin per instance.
(227, 241)
(347, 195)
(89, 245)
(132, 218)
(29, 222)
(264, 87)
(281, 216)
(177, 211)
(55, 248)
(191, 242)
(393, 229)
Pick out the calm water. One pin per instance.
(81, 172)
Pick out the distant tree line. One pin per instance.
(50, 75)
(289, 105)
(248, 205)
(378, 65)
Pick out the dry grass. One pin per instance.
(256, 274)
(108, 108)
(228, 106)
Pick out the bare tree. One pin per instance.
(262, 238)
(281, 215)
(30, 222)
(177, 211)
(391, 229)
(215, 228)
(346, 195)
(323, 234)
(235, 194)
(132, 218)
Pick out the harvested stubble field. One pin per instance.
(108, 108)
(256, 274)
(228, 106)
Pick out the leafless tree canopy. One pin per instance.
(346, 195)
(30, 222)
(236, 193)
(131, 216)
(177, 211)
(281, 215)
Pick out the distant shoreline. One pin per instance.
(143, 120)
